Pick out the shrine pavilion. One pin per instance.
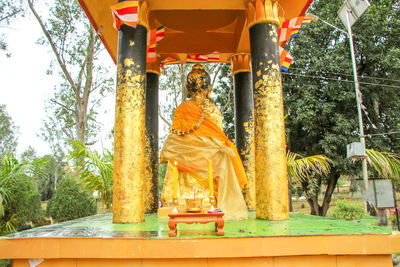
(243, 33)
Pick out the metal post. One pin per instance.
(358, 100)
(395, 206)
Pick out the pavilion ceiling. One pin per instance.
(191, 27)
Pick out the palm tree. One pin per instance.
(300, 168)
(386, 164)
(309, 171)
(13, 173)
(95, 170)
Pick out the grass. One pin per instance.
(302, 206)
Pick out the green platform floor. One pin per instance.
(101, 226)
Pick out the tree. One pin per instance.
(307, 171)
(223, 97)
(47, 174)
(77, 51)
(386, 164)
(8, 132)
(172, 86)
(319, 93)
(301, 168)
(70, 201)
(95, 171)
(9, 9)
(19, 198)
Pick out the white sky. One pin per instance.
(25, 87)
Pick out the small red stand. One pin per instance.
(190, 218)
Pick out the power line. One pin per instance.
(350, 75)
(337, 80)
(370, 135)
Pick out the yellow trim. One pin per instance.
(273, 21)
(126, 4)
(240, 70)
(153, 71)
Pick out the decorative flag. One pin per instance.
(230, 67)
(153, 37)
(196, 58)
(291, 27)
(125, 13)
(168, 61)
(151, 53)
(160, 33)
(213, 57)
(285, 59)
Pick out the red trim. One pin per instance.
(127, 10)
(306, 7)
(96, 29)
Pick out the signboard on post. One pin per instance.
(384, 194)
(355, 8)
(379, 192)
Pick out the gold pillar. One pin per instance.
(270, 152)
(129, 133)
(244, 122)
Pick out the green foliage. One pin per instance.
(95, 171)
(162, 170)
(8, 132)
(347, 211)
(298, 190)
(70, 201)
(25, 204)
(319, 95)
(386, 164)
(47, 174)
(300, 168)
(172, 90)
(318, 88)
(393, 221)
(5, 263)
(223, 98)
(19, 198)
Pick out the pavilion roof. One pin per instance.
(191, 26)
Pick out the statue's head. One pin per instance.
(198, 81)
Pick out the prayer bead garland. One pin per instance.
(182, 133)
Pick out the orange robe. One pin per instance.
(192, 153)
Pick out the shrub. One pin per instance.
(70, 202)
(347, 210)
(20, 200)
(393, 221)
(23, 206)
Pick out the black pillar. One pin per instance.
(151, 199)
(129, 139)
(243, 109)
(269, 135)
(244, 131)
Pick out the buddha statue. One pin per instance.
(197, 137)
